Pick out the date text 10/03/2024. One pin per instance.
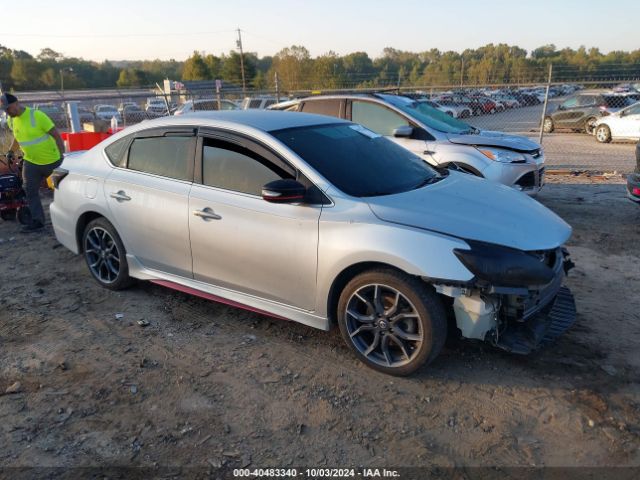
(316, 473)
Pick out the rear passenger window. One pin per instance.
(165, 156)
(323, 107)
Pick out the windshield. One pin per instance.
(429, 116)
(358, 161)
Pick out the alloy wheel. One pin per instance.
(102, 255)
(384, 325)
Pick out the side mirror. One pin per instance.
(561, 107)
(403, 132)
(283, 191)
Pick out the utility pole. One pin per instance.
(244, 85)
(461, 70)
(277, 88)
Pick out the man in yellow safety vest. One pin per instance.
(43, 150)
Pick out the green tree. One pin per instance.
(132, 77)
(195, 68)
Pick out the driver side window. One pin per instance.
(572, 102)
(376, 117)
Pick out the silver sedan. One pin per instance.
(320, 221)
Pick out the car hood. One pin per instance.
(488, 138)
(472, 208)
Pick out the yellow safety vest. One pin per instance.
(30, 130)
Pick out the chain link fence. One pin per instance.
(578, 123)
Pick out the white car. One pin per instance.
(204, 104)
(622, 125)
(455, 111)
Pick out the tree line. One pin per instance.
(296, 69)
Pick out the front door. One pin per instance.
(240, 241)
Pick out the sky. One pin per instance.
(145, 29)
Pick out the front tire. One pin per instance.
(105, 255)
(393, 322)
(547, 125)
(590, 125)
(603, 134)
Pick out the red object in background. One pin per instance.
(83, 140)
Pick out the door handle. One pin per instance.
(120, 196)
(207, 214)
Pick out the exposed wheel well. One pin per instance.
(465, 168)
(341, 281)
(83, 221)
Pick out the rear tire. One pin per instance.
(393, 322)
(603, 134)
(105, 255)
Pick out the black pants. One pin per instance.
(32, 176)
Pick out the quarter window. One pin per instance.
(377, 118)
(232, 167)
(115, 152)
(165, 156)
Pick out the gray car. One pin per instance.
(320, 221)
(437, 138)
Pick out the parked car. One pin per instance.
(258, 102)
(455, 111)
(489, 105)
(582, 111)
(438, 139)
(132, 113)
(107, 112)
(156, 106)
(85, 115)
(320, 221)
(622, 125)
(55, 112)
(506, 100)
(204, 104)
(472, 104)
(633, 179)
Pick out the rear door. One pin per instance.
(564, 116)
(149, 198)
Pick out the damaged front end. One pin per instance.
(516, 300)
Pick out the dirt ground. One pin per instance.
(211, 387)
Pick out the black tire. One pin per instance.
(24, 215)
(589, 125)
(547, 125)
(105, 255)
(405, 304)
(8, 215)
(603, 133)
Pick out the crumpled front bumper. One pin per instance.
(542, 328)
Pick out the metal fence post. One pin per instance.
(544, 108)
(277, 88)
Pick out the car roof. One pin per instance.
(265, 120)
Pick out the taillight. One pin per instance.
(636, 191)
(57, 175)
